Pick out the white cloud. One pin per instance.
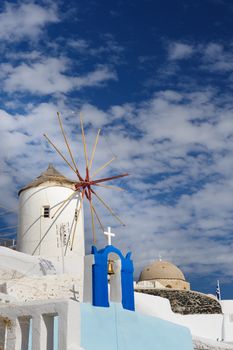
(213, 56)
(25, 20)
(111, 50)
(95, 78)
(93, 115)
(217, 58)
(79, 45)
(44, 77)
(169, 135)
(26, 56)
(180, 159)
(50, 75)
(179, 51)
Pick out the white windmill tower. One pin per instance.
(49, 222)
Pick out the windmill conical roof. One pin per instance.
(49, 175)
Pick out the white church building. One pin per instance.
(54, 297)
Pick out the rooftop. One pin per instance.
(49, 175)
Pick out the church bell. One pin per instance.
(110, 267)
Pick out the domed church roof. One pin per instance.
(161, 270)
(49, 175)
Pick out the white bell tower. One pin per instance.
(51, 222)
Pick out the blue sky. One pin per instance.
(157, 78)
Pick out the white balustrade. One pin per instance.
(44, 325)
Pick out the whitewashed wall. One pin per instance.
(227, 306)
(43, 288)
(48, 237)
(207, 326)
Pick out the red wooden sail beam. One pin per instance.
(87, 182)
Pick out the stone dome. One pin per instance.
(160, 270)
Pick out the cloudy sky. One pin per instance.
(157, 78)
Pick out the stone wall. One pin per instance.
(187, 302)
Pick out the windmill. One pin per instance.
(85, 184)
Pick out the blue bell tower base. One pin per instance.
(115, 328)
(100, 277)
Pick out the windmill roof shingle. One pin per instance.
(49, 175)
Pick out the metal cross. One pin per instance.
(109, 234)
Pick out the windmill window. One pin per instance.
(46, 211)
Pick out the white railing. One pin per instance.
(44, 325)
